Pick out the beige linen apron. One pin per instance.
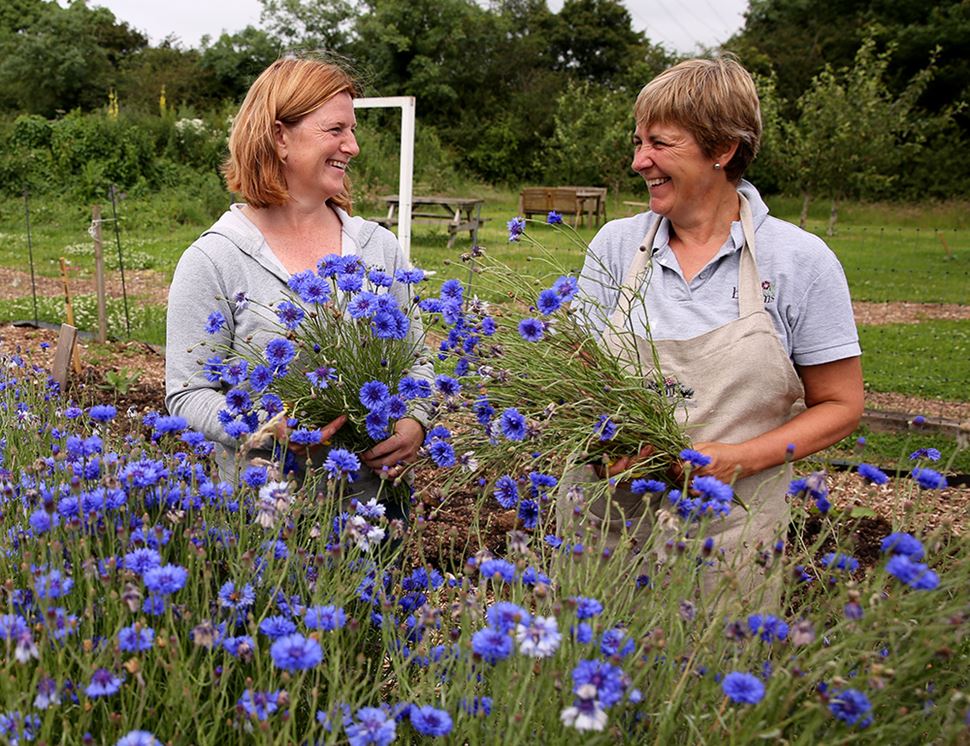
(743, 385)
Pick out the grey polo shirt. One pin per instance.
(803, 285)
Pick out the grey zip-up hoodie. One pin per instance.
(230, 268)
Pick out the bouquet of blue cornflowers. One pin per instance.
(538, 387)
(350, 342)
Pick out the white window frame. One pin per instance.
(406, 177)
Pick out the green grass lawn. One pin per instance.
(890, 253)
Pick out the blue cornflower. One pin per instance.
(930, 454)
(516, 228)
(103, 684)
(235, 429)
(743, 688)
(376, 424)
(271, 404)
(914, 574)
(280, 352)
(429, 721)
(587, 608)
(350, 282)
(442, 453)
(840, 562)
(396, 407)
(342, 463)
(260, 378)
(608, 680)
(812, 486)
(373, 394)
(314, 291)
(215, 322)
(643, 486)
(259, 705)
(236, 599)
(872, 474)
(327, 618)
(255, 476)
(370, 725)
(235, 372)
(447, 385)
(238, 401)
(166, 579)
(567, 288)
(211, 369)
(438, 432)
(506, 492)
(531, 330)
(380, 278)
(289, 314)
(851, 706)
(548, 302)
(409, 276)
(553, 218)
(605, 428)
(138, 738)
(142, 560)
(296, 653)
(168, 424)
(322, 376)
(497, 569)
(492, 645)
(694, 458)
(363, 305)
(529, 513)
(929, 479)
(484, 411)
(305, 437)
(505, 616)
(135, 638)
(711, 488)
(53, 585)
(513, 424)
(413, 388)
(277, 626)
(72, 412)
(616, 642)
(17, 728)
(332, 265)
(102, 413)
(904, 544)
(767, 627)
(238, 646)
(540, 483)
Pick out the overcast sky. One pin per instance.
(680, 25)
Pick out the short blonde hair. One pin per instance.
(286, 91)
(715, 100)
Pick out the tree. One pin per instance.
(321, 24)
(66, 58)
(851, 130)
(234, 61)
(594, 40)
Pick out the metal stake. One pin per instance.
(30, 254)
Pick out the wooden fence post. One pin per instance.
(99, 274)
(69, 314)
(63, 354)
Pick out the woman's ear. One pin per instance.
(280, 135)
(727, 153)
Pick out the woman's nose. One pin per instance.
(350, 145)
(641, 158)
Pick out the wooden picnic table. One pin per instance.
(458, 213)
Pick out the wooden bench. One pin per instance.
(579, 202)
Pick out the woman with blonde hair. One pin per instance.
(749, 314)
(289, 150)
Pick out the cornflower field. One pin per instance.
(148, 601)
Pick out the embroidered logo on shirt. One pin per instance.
(767, 292)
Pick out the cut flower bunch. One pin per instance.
(350, 342)
(538, 388)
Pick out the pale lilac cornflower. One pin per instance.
(540, 638)
(363, 533)
(585, 712)
(138, 738)
(273, 501)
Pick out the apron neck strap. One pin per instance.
(749, 281)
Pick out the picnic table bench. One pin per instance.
(579, 201)
(457, 213)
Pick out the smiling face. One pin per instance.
(680, 177)
(317, 149)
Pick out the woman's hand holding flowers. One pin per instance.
(388, 457)
(282, 432)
